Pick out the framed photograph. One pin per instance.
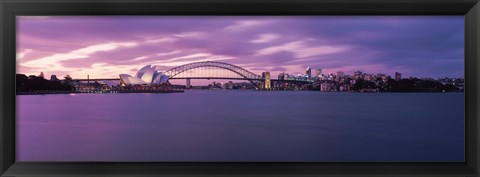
(239, 88)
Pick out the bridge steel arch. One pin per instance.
(247, 75)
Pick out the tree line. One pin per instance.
(34, 84)
(406, 85)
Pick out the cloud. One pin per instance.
(23, 54)
(168, 53)
(198, 56)
(103, 70)
(242, 25)
(96, 65)
(264, 38)
(302, 50)
(140, 58)
(191, 35)
(53, 61)
(161, 40)
(270, 42)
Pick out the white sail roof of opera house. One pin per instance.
(147, 75)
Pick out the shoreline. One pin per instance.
(96, 92)
(182, 91)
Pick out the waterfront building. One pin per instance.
(145, 76)
(325, 87)
(379, 76)
(398, 76)
(358, 75)
(84, 87)
(353, 82)
(344, 88)
(385, 78)
(144, 88)
(368, 77)
(229, 85)
(110, 83)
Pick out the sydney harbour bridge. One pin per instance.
(213, 70)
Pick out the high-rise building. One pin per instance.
(398, 76)
(266, 83)
(318, 73)
(368, 77)
(281, 76)
(331, 77)
(325, 87)
(340, 74)
(309, 72)
(358, 75)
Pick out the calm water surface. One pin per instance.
(241, 126)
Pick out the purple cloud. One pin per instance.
(105, 46)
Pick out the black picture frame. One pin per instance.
(11, 8)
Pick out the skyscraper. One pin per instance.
(398, 76)
(309, 72)
(340, 76)
(266, 83)
(281, 76)
(358, 75)
(318, 73)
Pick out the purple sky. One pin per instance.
(105, 46)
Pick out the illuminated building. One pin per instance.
(358, 75)
(325, 87)
(368, 77)
(266, 83)
(145, 76)
(308, 72)
(319, 73)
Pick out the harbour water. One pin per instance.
(207, 125)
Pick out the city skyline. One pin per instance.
(102, 47)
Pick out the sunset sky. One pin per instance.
(105, 46)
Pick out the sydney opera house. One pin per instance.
(148, 75)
